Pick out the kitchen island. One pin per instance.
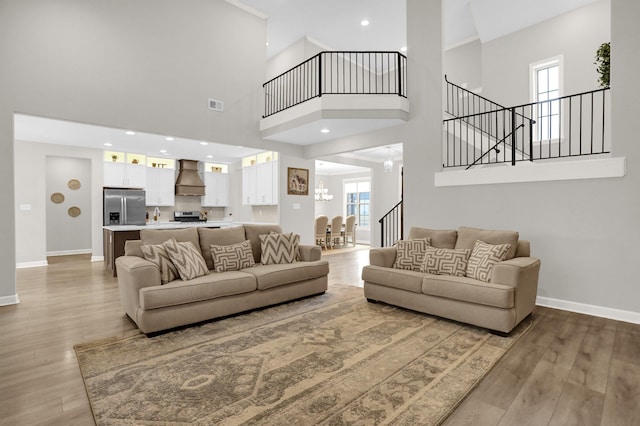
(114, 236)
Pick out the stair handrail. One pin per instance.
(386, 218)
(495, 146)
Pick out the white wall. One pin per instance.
(67, 234)
(149, 65)
(576, 35)
(463, 65)
(585, 232)
(293, 55)
(297, 211)
(31, 228)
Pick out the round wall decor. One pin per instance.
(74, 211)
(57, 197)
(74, 184)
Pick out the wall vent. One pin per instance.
(216, 105)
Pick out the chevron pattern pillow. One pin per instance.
(410, 253)
(483, 257)
(232, 257)
(441, 261)
(156, 253)
(279, 248)
(186, 258)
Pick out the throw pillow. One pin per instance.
(187, 259)
(156, 253)
(232, 257)
(278, 248)
(441, 261)
(483, 257)
(410, 253)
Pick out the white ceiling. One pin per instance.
(333, 23)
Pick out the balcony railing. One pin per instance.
(569, 126)
(339, 73)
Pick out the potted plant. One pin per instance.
(602, 62)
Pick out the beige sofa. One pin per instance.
(498, 305)
(155, 307)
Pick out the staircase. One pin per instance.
(480, 132)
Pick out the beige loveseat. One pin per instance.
(499, 304)
(154, 306)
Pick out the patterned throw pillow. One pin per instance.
(441, 261)
(232, 257)
(158, 255)
(410, 253)
(186, 258)
(278, 248)
(483, 257)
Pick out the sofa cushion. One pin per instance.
(207, 287)
(253, 232)
(157, 254)
(410, 253)
(278, 248)
(439, 238)
(467, 238)
(483, 257)
(187, 259)
(469, 290)
(269, 276)
(395, 278)
(441, 261)
(232, 257)
(218, 237)
(159, 236)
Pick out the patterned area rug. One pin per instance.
(333, 359)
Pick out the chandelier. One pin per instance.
(388, 163)
(322, 193)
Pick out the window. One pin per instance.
(358, 200)
(546, 85)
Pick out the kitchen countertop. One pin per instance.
(176, 225)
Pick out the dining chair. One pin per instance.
(321, 231)
(336, 231)
(349, 230)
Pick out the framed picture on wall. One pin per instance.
(297, 181)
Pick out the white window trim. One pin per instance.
(533, 86)
(344, 199)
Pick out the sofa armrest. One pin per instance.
(522, 274)
(382, 256)
(135, 273)
(309, 253)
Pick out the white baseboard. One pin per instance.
(97, 258)
(582, 308)
(36, 264)
(9, 300)
(68, 252)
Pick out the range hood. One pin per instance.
(189, 182)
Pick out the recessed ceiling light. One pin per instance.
(204, 143)
(163, 151)
(130, 133)
(325, 131)
(267, 43)
(108, 144)
(364, 22)
(403, 49)
(209, 156)
(168, 138)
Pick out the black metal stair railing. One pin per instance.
(391, 226)
(344, 73)
(568, 126)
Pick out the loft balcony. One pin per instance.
(347, 92)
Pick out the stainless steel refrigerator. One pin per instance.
(124, 206)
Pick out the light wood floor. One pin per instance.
(570, 369)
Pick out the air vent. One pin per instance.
(216, 105)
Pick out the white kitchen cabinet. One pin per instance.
(216, 190)
(124, 175)
(260, 184)
(249, 184)
(160, 189)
